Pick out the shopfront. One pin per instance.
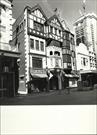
(38, 81)
(8, 73)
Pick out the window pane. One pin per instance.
(51, 29)
(42, 46)
(37, 45)
(32, 43)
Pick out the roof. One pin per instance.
(89, 15)
(56, 17)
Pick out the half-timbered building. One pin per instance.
(41, 42)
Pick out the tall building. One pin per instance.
(40, 39)
(8, 56)
(85, 31)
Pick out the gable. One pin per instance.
(37, 11)
(54, 21)
(39, 14)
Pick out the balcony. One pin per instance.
(36, 33)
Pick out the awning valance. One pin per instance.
(39, 75)
(70, 75)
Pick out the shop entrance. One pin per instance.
(54, 83)
(7, 84)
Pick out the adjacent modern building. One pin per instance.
(85, 31)
(47, 50)
(86, 48)
(8, 54)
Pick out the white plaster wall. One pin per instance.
(6, 25)
(51, 58)
(81, 51)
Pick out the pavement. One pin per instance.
(75, 97)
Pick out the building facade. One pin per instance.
(40, 41)
(86, 30)
(86, 49)
(8, 57)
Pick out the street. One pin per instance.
(54, 98)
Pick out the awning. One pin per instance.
(70, 75)
(39, 75)
(9, 53)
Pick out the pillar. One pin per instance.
(59, 81)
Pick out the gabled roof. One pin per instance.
(35, 8)
(54, 17)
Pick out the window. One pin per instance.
(0, 10)
(0, 35)
(18, 45)
(38, 27)
(59, 32)
(37, 45)
(84, 61)
(51, 29)
(55, 31)
(37, 62)
(83, 39)
(17, 29)
(67, 36)
(51, 53)
(57, 53)
(78, 41)
(66, 58)
(32, 43)
(42, 46)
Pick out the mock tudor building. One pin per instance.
(8, 55)
(40, 40)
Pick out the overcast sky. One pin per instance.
(68, 9)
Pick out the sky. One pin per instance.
(70, 10)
